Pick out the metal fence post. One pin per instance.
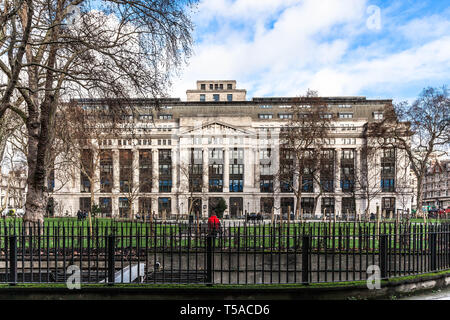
(433, 250)
(111, 259)
(13, 259)
(306, 240)
(209, 258)
(383, 255)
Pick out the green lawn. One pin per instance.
(69, 232)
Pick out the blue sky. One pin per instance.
(377, 49)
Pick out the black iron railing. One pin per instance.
(236, 253)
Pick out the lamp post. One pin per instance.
(248, 209)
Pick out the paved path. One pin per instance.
(438, 295)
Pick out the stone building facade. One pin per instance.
(436, 185)
(218, 144)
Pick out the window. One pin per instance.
(215, 185)
(164, 206)
(203, 86)
(348, 205)
(307, 185)
(215, 169)
(215, 154)
(229, 86)
(327, 205)
(164, 169)
(265, 106)
(265, 116)
(211, 86)
(327, 185)
(124, 207)
(165, 116)
(165, 185)
(388, 185)
(145, 117)
(345, 115)
(106, 171)
(221, 86)
(326, 115)
(389, 153)
(348, 154)
(145, 170)
(196, 169)
(202, 97)
(349, 141)
(229, 97)
(236, 169)
(236, 154)
(215, 97)
(105, 206)
(266, 169)
(236, 185)
(307, 205)
(266, 185)
(378, 115)
(285, 115)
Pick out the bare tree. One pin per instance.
(13, 182)
(15, 29)
(301, 143)
(420, 129)
(365, 181)
(121, 49)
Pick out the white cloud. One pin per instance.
(309, 44)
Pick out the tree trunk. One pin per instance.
(35, 204)
(36, 199)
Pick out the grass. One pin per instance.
(68, 232)
(319, 285)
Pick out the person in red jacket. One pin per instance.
(213, 224)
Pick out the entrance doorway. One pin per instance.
(236, 207)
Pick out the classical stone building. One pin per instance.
(12, 190)
(436, 185)
(218, 144)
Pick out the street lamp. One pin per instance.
(248, 209)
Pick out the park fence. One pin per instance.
(249, 253)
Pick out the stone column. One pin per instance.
(175, 163)
(226, 170)
(257, 169)
(135, 169)
(357, 162)
(155, 172)
(296, 174)
(338, 206)
(116, 172)
(248, 170)
(337, 171)
(135, 180)
(277, 205)
(205, 170)
(96, 173)
(275, 159)
(115, 205)
(184, 170)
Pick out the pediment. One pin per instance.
(217, 128)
